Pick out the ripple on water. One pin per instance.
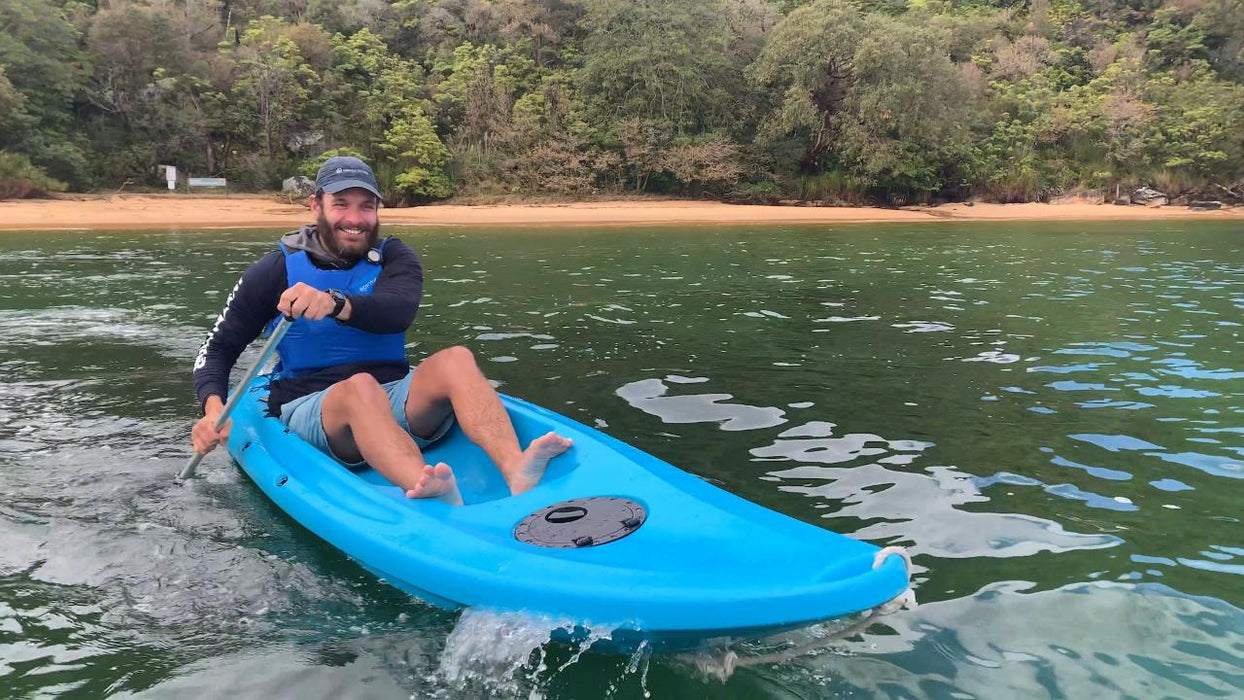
(1115, 443)
(73, 325)
(924, 509)
(1099, 472)
(924, 326)
(996, 357)
(108, 574)
(138, 568)
(1079, 641)
(650, 396)
(39, 416)
(485, 654)
(1210, 464)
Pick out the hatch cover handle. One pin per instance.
(566, 514)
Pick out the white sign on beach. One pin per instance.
(207, 182)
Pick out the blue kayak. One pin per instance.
(610, 537)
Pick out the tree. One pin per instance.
(128, 44)
(1173, 39)
(13, 115)
(551, 149)
(660, 61)
(140, 53)
(854, 100)
(1222, 21)
(1022, 58)
(1199, 126)
(808, 65)
(370, 87)
(536, 25)
(20, 178)
(645, 143)
(41, 59)
(711, 162)
(905, 121)
(474, 105)
(273, 88)
(419, 157)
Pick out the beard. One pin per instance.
(350, 252)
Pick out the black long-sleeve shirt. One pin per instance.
(389, 308)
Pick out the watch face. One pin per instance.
(373, 256)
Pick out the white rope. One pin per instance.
(881, 556)
(904, 600)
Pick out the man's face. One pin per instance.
(348, 221)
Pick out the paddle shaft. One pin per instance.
(268, 348)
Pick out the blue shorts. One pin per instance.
(303, 415)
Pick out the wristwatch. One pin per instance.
(340, 298)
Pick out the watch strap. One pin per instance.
(340, 298)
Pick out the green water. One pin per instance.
(1048, 417)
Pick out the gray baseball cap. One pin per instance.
(343, 173)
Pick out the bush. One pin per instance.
(755, 193)
(1176, 182)
(253, 172)
(311, 166)
(19, 178)
(833, 187)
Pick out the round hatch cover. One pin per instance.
(581, 522)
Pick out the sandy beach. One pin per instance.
(266, 211)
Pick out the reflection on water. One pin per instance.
(649, 396)
(1047, 418)
(1080, 641)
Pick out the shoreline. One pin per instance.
(175, 211)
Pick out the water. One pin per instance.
(1048, 417)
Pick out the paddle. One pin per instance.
(268, 348)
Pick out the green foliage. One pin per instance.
(19, 178)
(808, 66)
(311, 166)
(13, 114)
(1172, 40)
(273, 87)
(1223, 24)
(42, 61)
(906, 120)
(663, 60)
(833, 187)
(39, 50)
(372, 87)
(843, 101)
(1201, 128)
(420, 158)
(756, 193)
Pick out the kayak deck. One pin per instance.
(702, 564)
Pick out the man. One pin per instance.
(344, 382)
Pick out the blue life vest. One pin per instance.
(312, 345)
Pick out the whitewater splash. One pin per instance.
(516, 655)
(507, 654)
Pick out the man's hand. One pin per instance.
(304, 301)
(204, 435)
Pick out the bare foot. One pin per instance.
(437, 482)
(526, 472)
